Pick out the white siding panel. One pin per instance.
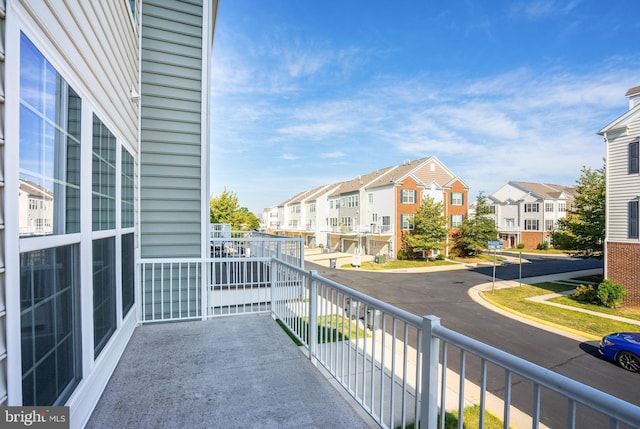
(98, 56)
(622, 187)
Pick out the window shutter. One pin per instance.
(462, 197)
(634, 157)
(632, 219)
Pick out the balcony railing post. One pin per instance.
(313, 315)
(430, 361)
(205, 279)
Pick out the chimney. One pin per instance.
(634, 97)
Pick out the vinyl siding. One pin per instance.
(621, 187)
(439, 175)
(171, 124)
(3, 308)
(98, 43)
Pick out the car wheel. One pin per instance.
(629, 361)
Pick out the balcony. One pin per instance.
(243, 371)
(360, 229)
(229, 372)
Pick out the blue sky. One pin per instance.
(307, 93)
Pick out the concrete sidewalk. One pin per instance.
(231, 372)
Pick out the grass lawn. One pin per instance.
(471, 419)
(629, 314)
(514, 299)
(330, 328)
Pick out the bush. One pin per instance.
(402, 255)
(611, 294)
(520, 245)
(585, 293)
(440, 257)
(543, 246)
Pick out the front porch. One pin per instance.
(229, 372)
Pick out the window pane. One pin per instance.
(49, 295)
(49, 148)
(104, 292)
(104, 177)
(128, 273)
(127, 189)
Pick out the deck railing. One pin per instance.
(234, 278)
(403, 369)
(398, 366)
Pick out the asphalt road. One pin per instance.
(444, 294)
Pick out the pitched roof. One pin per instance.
(34, 190)
(307, 195)
(546, 190)
(633, 91)
(381, 177)
(354, 185)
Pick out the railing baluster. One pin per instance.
(392, 382)
(405, 355)
(443, 385)
(483, 388)
(571, 414)
(507, 399)
(383, 353)
(461, 389)
(536, 406)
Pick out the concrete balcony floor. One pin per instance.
(230, 372)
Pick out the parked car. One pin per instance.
(622, 347)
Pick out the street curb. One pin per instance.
(474, 293)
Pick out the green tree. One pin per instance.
(430, 228)
(246, 220)
(226, 209)
(585, 223)
(472, 236)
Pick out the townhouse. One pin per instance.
(528, 213)
(622, 240)
(104, 135)
(370, 213)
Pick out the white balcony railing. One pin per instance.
(360, 229)
(395, 364)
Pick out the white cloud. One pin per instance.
(522, 124)
(336, 154)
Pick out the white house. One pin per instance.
(371, 212)
(622, 242)
(528, 212)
